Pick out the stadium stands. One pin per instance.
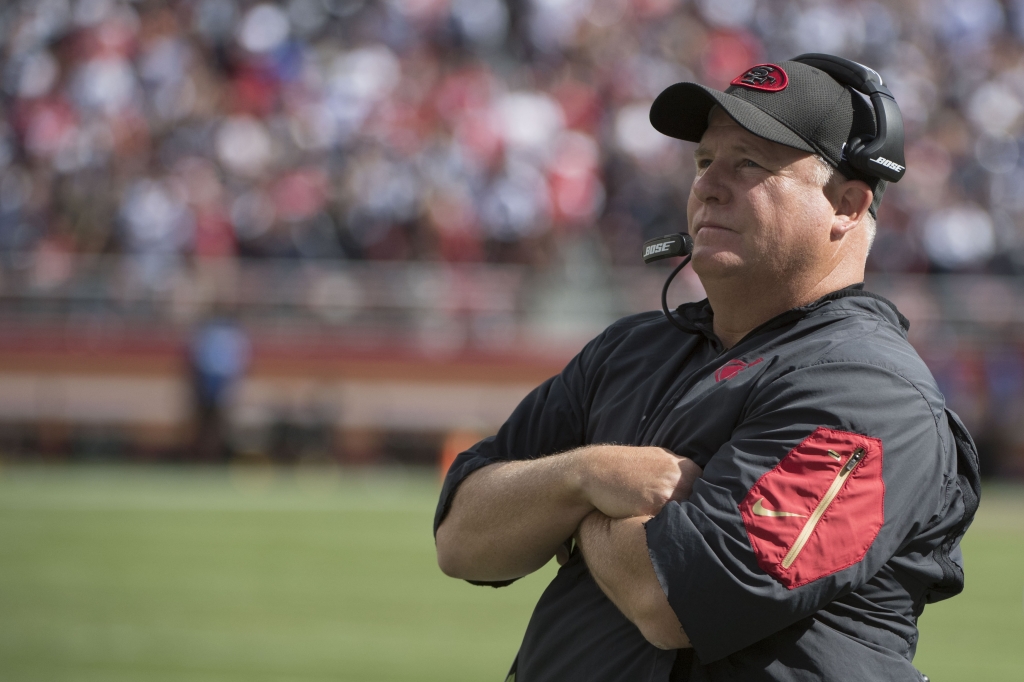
(367, 182)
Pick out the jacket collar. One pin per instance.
(698, 317)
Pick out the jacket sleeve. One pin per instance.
(550, 420)
(830, 470)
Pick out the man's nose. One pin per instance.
(711, 186)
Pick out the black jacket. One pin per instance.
(836, 489)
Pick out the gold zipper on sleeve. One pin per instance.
(837, 484)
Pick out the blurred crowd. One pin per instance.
(462, 130)
(496, 131)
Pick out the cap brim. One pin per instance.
(681, 111)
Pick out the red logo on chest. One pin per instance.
(732, 368)
(766, 77)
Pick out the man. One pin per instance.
(773, 495)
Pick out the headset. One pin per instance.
(878, 157)
(670, 245)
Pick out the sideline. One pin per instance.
(217, 489)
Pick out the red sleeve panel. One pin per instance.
(818, 511)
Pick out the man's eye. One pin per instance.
(703, 163)
(747, 163)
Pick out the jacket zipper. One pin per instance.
(837, 484)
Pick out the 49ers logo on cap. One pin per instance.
(767, 77)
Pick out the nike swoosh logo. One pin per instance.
(759, 510)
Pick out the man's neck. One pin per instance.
(740, 306)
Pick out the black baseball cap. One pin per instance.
(791, 103)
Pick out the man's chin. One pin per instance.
(716, 263)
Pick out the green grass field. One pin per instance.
(150, 575)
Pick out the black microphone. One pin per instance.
(680, 244)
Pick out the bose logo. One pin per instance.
(882, 161)
(657, 248)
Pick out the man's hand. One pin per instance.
(624, 481)
(616, 554)
(628, 486)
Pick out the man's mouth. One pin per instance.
(712, 226)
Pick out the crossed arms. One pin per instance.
(508, 519)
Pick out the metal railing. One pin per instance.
(486, 305)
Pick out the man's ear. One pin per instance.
(851, 200)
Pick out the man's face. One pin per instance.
(756, 208)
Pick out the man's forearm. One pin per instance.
(508, 519)
(616, 554)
